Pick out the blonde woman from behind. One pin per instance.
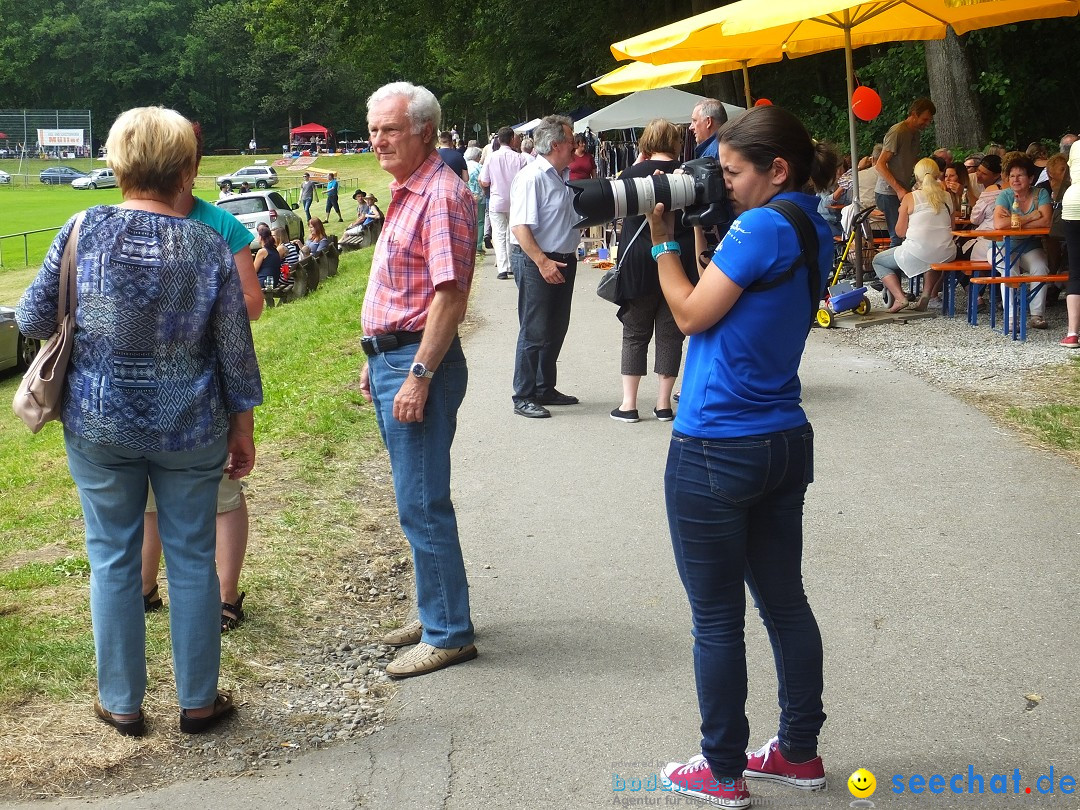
(925, 223)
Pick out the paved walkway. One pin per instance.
(941, 562)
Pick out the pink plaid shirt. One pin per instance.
(428, 238)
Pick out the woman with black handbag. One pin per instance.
(642, 309)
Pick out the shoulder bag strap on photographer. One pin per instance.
(808, 255)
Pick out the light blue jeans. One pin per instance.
(420, 461)
(889, 204)
(112, 483)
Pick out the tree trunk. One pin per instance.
(958, 121)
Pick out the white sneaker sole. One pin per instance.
(716, 801)
(802, 784)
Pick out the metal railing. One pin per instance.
(26, 246)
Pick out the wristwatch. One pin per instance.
(421, 371)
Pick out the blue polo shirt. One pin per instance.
(741, 375)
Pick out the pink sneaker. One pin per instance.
(769, 763)
(695, 779)
(1070, 342)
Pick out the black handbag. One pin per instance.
(609, 282)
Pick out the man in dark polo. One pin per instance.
(542, 242)
(415, 374)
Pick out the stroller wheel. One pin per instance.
(886, 296)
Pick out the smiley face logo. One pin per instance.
(862, 784)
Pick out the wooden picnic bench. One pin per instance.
(1023, 283)
(959, 267)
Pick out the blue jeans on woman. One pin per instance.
(112, 483)
(735, 509)
(420, 462)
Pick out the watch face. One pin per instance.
(420, 370)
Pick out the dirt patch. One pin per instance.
(297, 687)
(52, 553)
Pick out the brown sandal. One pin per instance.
(223, 705)
(151, 601)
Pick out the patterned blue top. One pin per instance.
(163, 351)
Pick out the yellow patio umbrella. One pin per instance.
(645, 76)
(748, 28)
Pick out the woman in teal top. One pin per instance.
(741, 455)
(1036, 211)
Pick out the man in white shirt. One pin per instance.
(496, 175)
(543, 238)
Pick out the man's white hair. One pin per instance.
(423, 107)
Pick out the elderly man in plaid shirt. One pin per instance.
(416, 373)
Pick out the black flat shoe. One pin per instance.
(223, 705)
(151, 601)
(232, 616)
(559, 398)
(129, 728)
(531, 410)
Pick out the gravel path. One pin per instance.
(962, 359)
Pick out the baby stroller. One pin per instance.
(843, 296)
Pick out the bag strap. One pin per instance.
(624, 254)
(69, 281)
(808, 238)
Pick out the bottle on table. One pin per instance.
(1014, 215)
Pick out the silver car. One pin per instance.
(254, 176)
(16, 350)
(268, 207)
(98, 178)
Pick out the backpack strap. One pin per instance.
(808, 254)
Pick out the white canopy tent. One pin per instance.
(638, 109)
(528, 126)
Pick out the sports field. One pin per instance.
(26, 204)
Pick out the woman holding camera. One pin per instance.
(642, 308)
(741, 454)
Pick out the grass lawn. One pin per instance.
(31, 205)
(314, 434)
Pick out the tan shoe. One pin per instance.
(423, 658)
(409, 634)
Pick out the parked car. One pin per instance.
(56, 175)
(16, 350)
(255, 176)
(264, 206)
(98, 178)
(5, 178)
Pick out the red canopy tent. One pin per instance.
(310, 129)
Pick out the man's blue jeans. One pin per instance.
(306, 202)
(543, 318)
(889, 205)
(112, 483)
(420, 461)
(735, 509)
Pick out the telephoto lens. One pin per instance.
(600, 201)
(698, 192)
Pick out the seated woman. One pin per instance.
(317, 241)
(373, 214)
(354, 228)
(1035, 211)
(959, 187)
(988, 180)
(268, 260)
(288, 251)
(925, 222)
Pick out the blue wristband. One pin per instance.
(665, 247)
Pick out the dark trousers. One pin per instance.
(543, 318)
(735, 510)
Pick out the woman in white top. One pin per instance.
(1070, 217)
(925, 222)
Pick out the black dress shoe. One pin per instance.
(557, 398)
(531, 410)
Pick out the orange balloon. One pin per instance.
(865, 103)
(762, 102)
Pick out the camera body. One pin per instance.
(699, 193)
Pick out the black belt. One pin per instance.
(558, 257)
(376, 344)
